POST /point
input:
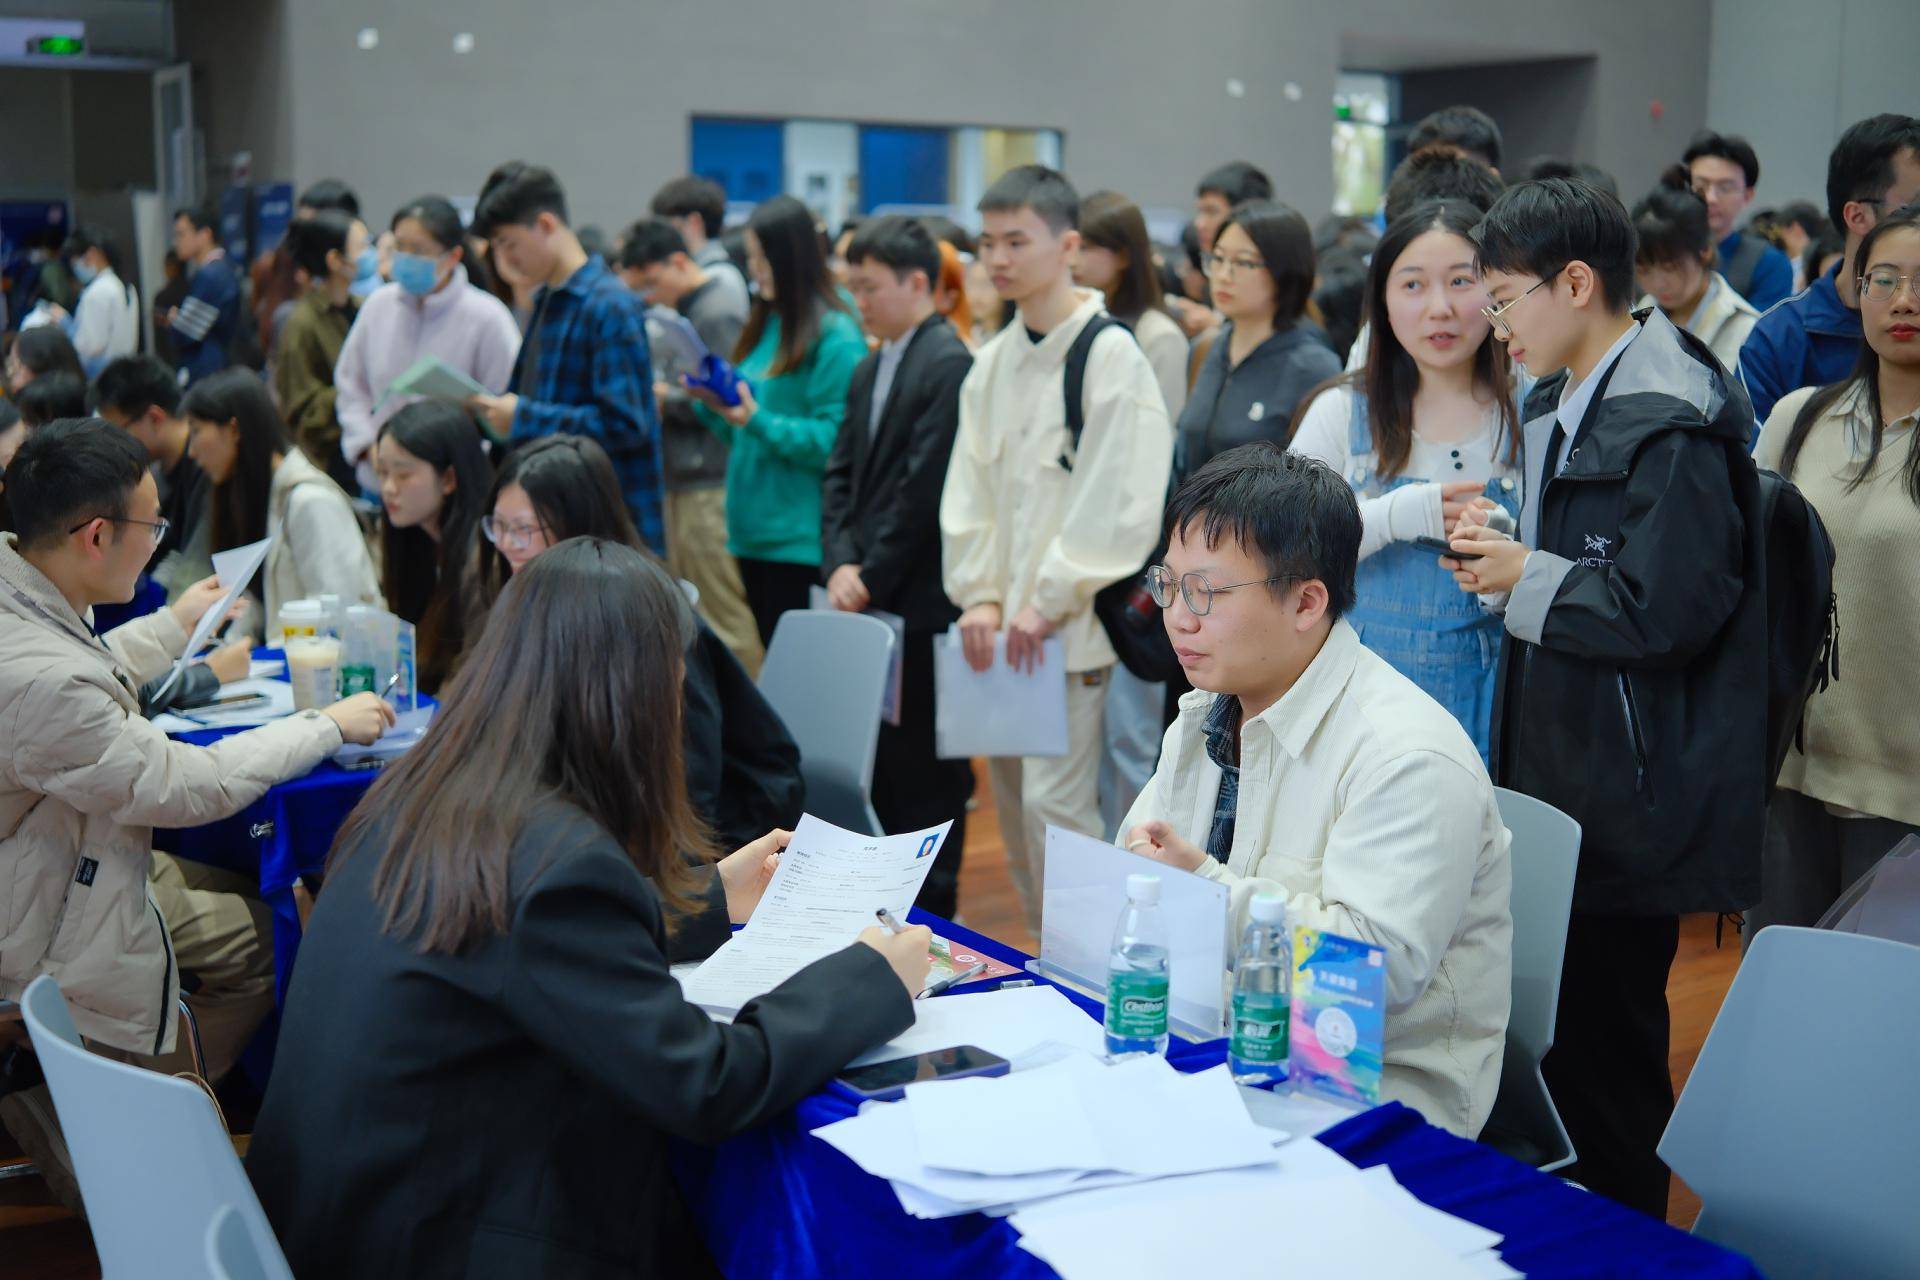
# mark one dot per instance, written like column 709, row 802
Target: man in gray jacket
column 85, row 778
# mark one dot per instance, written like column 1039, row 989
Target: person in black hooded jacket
column 1631, row 695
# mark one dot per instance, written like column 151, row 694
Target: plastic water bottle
column 1137, row 974
column 1262, row 984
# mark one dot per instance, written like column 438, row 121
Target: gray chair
column 1545, row 854
column 153, row 1159
column 826, row 675
column 1797, row 1127
column 231, row 1251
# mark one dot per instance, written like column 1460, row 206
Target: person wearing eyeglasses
column 85, row 778
column 1303, row 764
column 1634, row 665
column 1264, row 360
column 1846, row 792
column 1723, row 171
column 264, row 486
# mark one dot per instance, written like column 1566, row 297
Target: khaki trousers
column 697, row 551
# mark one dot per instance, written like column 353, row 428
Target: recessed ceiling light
column 368, row 38
column 463, row 42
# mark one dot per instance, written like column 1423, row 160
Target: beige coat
column 1016, row 527
column 84, row 779
column 320, row 550
column 1722, row 320
column 1365, row 805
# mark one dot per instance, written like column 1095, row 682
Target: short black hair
column 690, row 196
column 44, row 349
column 1861, row 166
column 518, row 198
column 1670, row 224
column 68, row 471
column 1284, row 242
column 1549, row 166
column 310, row 239
column 330, row 193
column 1468, row 128
column 1298, row 513
column 900, row 243
column 1238, row 181
column 1804, row 214
column 204, row 216
column 84, row 237
column 437, row 217
column 1034, row 186
column 134, row 384
column 1440, row 172
column 1724, row 146
column 941, row 227
column 648, row 241
column 1537, row 228
column 52, row 396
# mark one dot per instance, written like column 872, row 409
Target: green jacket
column 303, row 375
column 779, row 459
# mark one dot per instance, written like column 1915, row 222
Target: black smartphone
column 1440, row 548
column 888, row 1080
column 236, row 701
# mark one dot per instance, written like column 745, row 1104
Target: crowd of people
column 1465, row 494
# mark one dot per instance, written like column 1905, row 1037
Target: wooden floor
column 42, row 1241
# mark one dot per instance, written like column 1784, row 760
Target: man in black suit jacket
column 880, row 518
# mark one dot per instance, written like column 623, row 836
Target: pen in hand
column 886, row 918
column 392, row 680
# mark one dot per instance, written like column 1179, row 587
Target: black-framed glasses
column 1496, row 316
column 1196, row 590
column 159, row 526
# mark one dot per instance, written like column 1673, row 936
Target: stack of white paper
column 1009, row 1023
column 828, row 886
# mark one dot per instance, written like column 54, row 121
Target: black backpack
column 1125, row 608
column 1803, row 618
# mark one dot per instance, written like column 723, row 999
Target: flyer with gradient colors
column 1339, row 1022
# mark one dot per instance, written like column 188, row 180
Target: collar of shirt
column 1295, row 718
column 1052, row 349
column 580, row 281
column 1707, row 299
column 1575, row 399
column 1821, row 310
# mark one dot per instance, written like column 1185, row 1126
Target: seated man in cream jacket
column 1303, row 764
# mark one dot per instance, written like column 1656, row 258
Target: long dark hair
column 1390, row 377
column 45, row 349
column 1865, row 377
column 1285, row 244
column 1110, row 221
column 571, row 483
column 239, row 503
column 527, row 721
column 803, row 290
column 425, row 581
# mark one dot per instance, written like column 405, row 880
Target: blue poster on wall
column 746, row 157
column 901, row 164
column 272, row 212
column 234, row 224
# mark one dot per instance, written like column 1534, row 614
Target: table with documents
column 1268, row 1190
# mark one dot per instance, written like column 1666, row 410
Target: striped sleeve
column 195, row 319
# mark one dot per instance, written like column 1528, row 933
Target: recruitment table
column 780, row 1204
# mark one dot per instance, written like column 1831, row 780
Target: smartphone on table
column 886, row 1081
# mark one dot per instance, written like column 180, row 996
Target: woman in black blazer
column 483, row 1052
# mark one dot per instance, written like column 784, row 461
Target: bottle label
column 1137, row 1005
column 355, row 680
column 1260, row 1029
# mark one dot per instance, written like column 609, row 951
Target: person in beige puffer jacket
column 84, row 778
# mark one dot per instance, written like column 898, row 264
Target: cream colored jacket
column 84, row 779
column 1722, row 320
column 320, row 550
column 1017, row 526
column 1365, row 804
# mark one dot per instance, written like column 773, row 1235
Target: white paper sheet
column 999, row 711
column 1009, row 1023
column 407, row 729
column 826, row 889
column 235, row 569
column 433, row 377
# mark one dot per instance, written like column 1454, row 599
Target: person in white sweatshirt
column 1033, row 523
column 1304, row 765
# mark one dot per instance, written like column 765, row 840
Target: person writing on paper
column 1303, row 764
column 497, row 924
column 743, row 768
column 431, row 308
column 264, row 487
column 85, row 778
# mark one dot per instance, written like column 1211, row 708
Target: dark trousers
column 773, row 587
column 912, row 788
column 1607, row 1069
column 1811, row 856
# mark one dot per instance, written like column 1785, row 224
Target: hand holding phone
column 1441, row 547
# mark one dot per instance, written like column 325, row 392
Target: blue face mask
column 366, row 272
column 416, row 273
column 83, row 271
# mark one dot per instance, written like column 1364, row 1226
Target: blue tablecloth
column 779, row 1202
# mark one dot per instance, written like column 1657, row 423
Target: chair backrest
column 826, row 675
column 152, row 1158
column 1545, row 853
column 1797, row 1126
column 231, row 1254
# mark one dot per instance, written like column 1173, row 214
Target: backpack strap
column 1076, row 380
column 1739, row 268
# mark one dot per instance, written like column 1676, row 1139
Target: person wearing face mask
column 330, row 248
column 430, row 308
column 1425, row 428
column 106, row 319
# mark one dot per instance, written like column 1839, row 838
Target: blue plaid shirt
column 1222, row 729
column 592, row 375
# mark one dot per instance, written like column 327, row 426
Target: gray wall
column 1793, row 77
column 1137, row 86
column 36, row 151
column 1544, row 108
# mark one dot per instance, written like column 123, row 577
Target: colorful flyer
column 1339, row 1016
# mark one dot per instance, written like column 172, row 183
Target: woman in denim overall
column 1408, row 609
